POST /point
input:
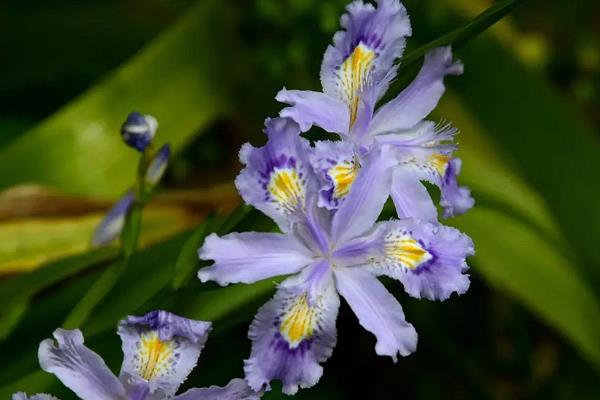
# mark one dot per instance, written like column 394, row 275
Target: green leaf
column 466, row 32
column 544, row 139
column 16, row 292
column 187, row 260
column 179, row 78
column 514, row 258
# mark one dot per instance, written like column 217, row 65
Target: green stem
column 129, row 243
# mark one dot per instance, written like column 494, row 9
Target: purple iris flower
column 356, row 72
column 328, row 252
column 160, row 350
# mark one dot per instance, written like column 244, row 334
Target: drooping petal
column 415, row 102
column 362, row 54
column 110, row 227
column 368, row 194
column 377, row 311
column 236, row 389
column 79, row 368
column 158, row 165
column 39, row 396
column 292, row 335
column 277, row 179
column 310, row 108
column 429, row 259
column 425, row 153
column 411, row 197
column 251, row 256
column 455, row 199
column 336, row 165
column 160, row 350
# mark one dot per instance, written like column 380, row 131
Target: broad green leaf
column 526, row 252
column 180, row 78
column 544, row 139
column 513, row 257
column 25, row 244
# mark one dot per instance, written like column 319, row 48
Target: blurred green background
column 527, row 107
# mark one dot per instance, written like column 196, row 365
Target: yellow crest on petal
column 286, row 189
column 353, row 75
column 406, row 251
column 298, row 322
column 154, row 355
column 439, row 162
column 343, row 176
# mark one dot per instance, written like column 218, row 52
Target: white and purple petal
column 419, row 98
column 429, row 259
column 277, row 178
column 336, row 165
column 292, row 335
column 251, row 256
column 160, row 350
column 78, row 367
column 310, row 108
column 377, row 311
column 363, row 53
column 236, row 389
column 411, row 198
column 362, row 206
column 455, row 199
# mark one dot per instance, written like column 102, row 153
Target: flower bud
column 138, row 130
column 112, row 224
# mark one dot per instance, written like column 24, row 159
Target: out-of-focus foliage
column 524, row 105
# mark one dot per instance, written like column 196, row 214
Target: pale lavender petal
column 455, row 199
column 410, row 196
column 236, row 389
column 111, row 225
column 39, row 396
column 310, row 108
column 158, row 165
column 251, row 256
column 421, row 141
column 277, row 179
column 429, row 259
column 415, row 102
column 291, row 336
column 377, row 311
column 372, row 39
column 160, row 350
column 336, row 165
column 364, row 203
column 79, row 368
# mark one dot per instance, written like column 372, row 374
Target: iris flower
column 329, row 252
column 355, row 74
column 160, row 350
